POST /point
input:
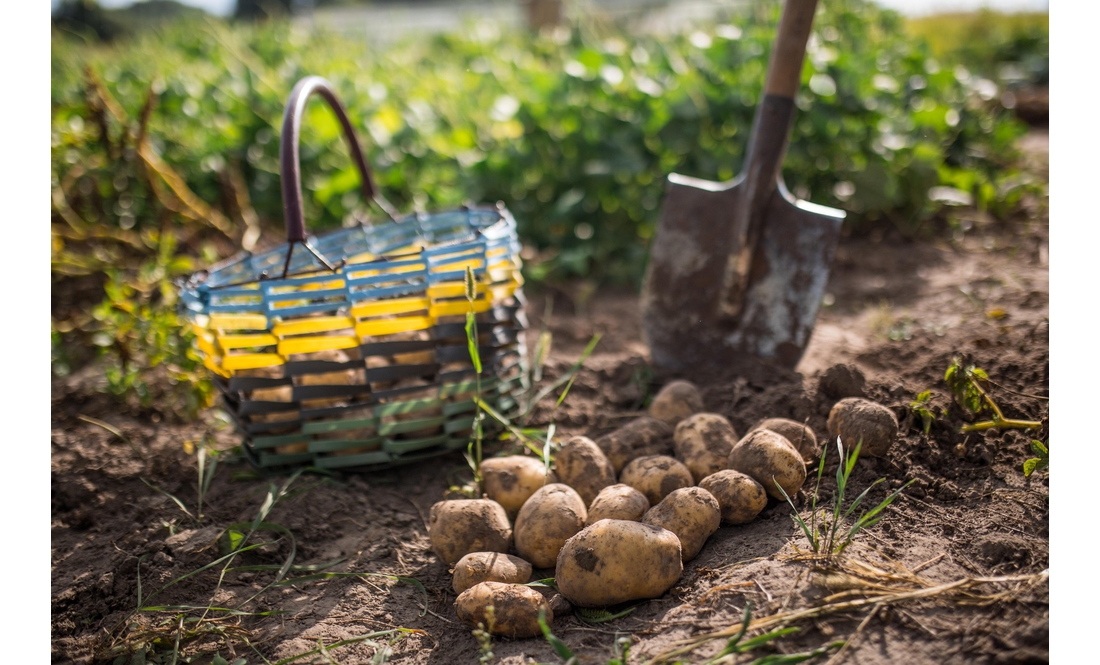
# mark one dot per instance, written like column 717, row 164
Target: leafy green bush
column 1012, row 48
column 574, row 130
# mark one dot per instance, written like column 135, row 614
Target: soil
column 899, row 311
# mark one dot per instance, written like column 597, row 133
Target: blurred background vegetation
column 165, row 142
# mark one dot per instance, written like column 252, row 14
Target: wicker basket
column 349, row 350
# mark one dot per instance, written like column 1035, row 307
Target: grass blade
column 798, row 518
column 788, row 658
column 567, row 377
column 761, row 640
column 594, row 616
column 559, row 647
column 170, row 496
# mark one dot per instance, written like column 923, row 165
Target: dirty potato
column 550, row 517
column 799, row 435
column 613, row 561
column 461, row 526
column 855, row 419
column 656, row 476
column 691, row 513
column 643, row 436
column 478, row 567
column 765, row 455
column 676, row 401
column 511, row 480
column 582, row 465
column 617, row 502
column 739, row 496
column 703, row 443
column 515, row 609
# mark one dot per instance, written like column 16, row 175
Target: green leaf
column 1038, row 447
column 471, row 341
column 559, row 647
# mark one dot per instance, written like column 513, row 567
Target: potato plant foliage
column 174, row 133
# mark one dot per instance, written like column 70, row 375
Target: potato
column 582, row 465
column 691, row 513
column 676, row 401
column 643, row 436
column 550, row 517
column 765, row 455
column 613, row 561
column 617, row 502
column 515, row 609
column 739, row 496
column 510, row 481
column 656, row 476
column 855, row 419
column 842, row 380
column 478, row 567
column 800, row 436
column 703, row 443
column 461, row 526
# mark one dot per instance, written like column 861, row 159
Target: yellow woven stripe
column 504, row 291
column 237, row 322
column 361, row 258
column 314, row 344
column 312, row 325
column 230, row 342
column 391, row 326
column 251, row 361
column 474, row 264
column 502, row 265
column 387, row 307
column 206, row 345
column 389, row 270
column 451, row 289
column 212, row 365
column 454, row 307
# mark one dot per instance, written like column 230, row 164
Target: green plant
column 206, row 469
column 735, row 645
column 163, row 633
column 831, row 536
column 619, row 655
column 969, row 386
column 1040, row 463
column 484, row 636
column 919, row 408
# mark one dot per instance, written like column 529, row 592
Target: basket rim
column 198, row 281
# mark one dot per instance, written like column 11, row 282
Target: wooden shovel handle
column 785, row 68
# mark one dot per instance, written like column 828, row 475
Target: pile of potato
column 618, row 516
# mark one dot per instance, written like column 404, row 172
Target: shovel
column 738, row 269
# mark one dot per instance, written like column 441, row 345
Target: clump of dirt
column 901, row 313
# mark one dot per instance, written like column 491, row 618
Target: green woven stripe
column 416, row 444
column 339, row 425
column 261, row 442
column 410, row 425
column 336, row 445
column 362, row 459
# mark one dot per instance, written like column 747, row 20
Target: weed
column 162, row 633
column 1040, row 463
column 966, row 384
column 735, row 645
column 473, row 449
column 829, row 538
column 484, row 636
column 919, row 408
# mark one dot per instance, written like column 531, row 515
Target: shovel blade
column 682, row 296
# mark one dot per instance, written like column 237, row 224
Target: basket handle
column 289, row 162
